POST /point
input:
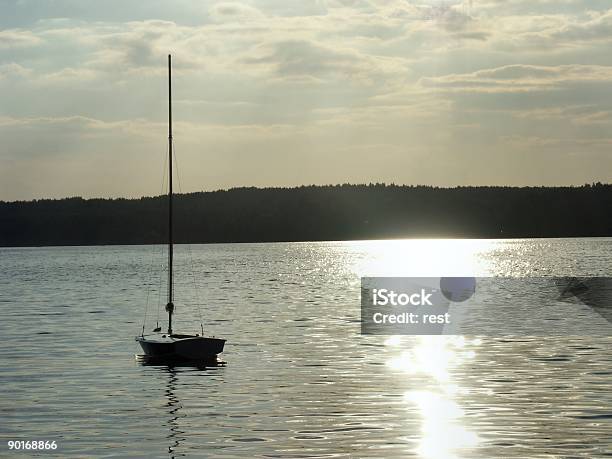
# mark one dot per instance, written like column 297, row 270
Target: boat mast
column 170, row 305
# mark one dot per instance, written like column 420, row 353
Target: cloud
column 18, row 38
column 234, row 12
column 520, row 78
column 598, row 28
column 555, row 32
column 552, row 143
column 42, row 128
column 306, row 60
column 590, row 114
column 14, row 70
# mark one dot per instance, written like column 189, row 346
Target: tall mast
column 170, row 305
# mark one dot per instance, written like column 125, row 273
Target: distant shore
column 314, row 213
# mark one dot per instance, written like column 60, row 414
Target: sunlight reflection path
column 429, row 365
column 442, row 433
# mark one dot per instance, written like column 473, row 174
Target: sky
column 298, row 92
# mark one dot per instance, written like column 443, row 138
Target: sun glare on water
column 442, row 433
column 427, row 365
column 421, row 257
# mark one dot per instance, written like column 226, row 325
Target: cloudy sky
column 290, row 92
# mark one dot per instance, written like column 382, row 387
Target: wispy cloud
column 519, row 78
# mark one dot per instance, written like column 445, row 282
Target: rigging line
column 151, row 263
column 159, row 290
column 164, row 189
column 149, row 285
column 195, row 286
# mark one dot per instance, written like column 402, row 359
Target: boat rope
column 197, row 291
column 164, row 191
column 159, row 290
column 193, row 277
column 153, row 256
column 149, row 286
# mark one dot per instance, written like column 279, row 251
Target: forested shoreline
column 313, row 213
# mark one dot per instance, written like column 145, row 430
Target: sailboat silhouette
column 171, row 345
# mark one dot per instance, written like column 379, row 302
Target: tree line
column 313, row 213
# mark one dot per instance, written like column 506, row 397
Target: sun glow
column 421, row 257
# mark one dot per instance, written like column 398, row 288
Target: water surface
column 300, row 381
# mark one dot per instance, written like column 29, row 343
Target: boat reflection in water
column 173, row 404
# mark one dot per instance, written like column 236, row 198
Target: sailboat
column 170, row 345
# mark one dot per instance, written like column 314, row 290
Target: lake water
column 300, row 380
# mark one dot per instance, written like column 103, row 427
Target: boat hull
column 181, row 347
